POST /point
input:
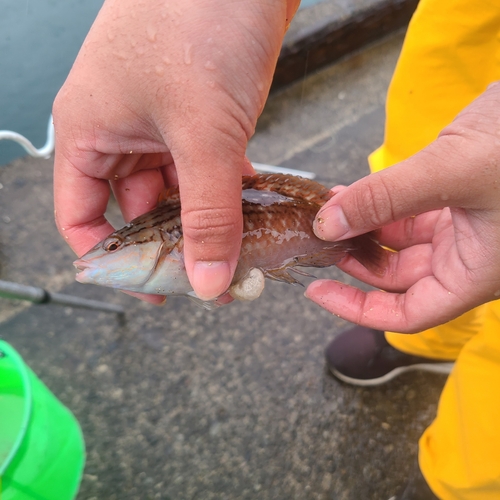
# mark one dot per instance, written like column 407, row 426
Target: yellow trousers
column 450, row 55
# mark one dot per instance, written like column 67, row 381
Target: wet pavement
column 179, row 403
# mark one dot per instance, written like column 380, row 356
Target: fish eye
column 112, row 246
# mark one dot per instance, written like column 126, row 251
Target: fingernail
column 330, row 223
column 211, row 279
column 316, row 288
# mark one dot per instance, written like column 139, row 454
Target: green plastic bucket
column 42, row 451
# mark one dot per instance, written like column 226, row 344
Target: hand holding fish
column 164, row 92
column 440, row 210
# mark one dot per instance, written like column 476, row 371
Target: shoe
column 362, row 356
column 416, row 488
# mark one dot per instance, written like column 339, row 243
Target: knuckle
column 374, row 204
column 215, row 226
column 59, row 105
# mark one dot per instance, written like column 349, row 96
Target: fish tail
column 368, row 252
column 364, row 248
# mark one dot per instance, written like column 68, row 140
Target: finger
column 138, row 193
column 437, row 177
column 209, row 164
column 247, row 167
column 212, row 227
column 375, row 201
column 410, row 231
column 80, row 203
column 336, row 189
column 424, row 305
column 291, row 8
column 120, row 166
column 404, row 269
column 169, row 173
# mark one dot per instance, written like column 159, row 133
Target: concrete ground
column 179, row 403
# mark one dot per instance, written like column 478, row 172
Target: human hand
column 160, row 92
column 448, row 259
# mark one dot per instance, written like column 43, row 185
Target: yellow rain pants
column 450, row 55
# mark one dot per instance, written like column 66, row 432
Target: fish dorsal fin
column 169, row 196
column 287, row 185
column 290, row 186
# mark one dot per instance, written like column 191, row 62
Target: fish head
column 113, row 263
column 147, row 265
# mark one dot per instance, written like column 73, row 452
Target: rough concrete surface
column 179, row 403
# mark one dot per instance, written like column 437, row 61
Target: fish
column 146, row 255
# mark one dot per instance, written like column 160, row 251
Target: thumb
column 377, row 200
column 459, row 169
column 448, row 173
column 209, row 173
column 212, row 231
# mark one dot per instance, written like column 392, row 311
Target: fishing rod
column 10, row 290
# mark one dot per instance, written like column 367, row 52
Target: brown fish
column 278, row 212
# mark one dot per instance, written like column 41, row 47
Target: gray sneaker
column 362, row 356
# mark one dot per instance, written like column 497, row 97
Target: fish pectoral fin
column 281, row 274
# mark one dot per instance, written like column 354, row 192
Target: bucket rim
column 18, row 361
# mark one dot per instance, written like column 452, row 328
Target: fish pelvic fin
column 281, row 274
column 301, row 272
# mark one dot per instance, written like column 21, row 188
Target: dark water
column 39, row 40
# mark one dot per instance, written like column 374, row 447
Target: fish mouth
column 81, row 264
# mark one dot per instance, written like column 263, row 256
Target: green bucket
column 42, row 451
